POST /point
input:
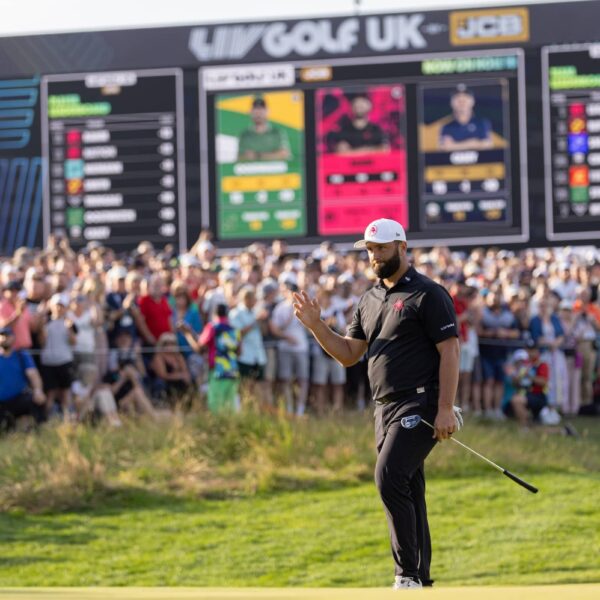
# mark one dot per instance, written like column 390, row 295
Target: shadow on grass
column 18, row 525
column 26, row 561
column 114, row 500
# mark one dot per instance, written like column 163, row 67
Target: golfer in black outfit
column 407, row 325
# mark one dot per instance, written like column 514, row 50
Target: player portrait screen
column 465, row 152
column 361, row 156
column 259, row 149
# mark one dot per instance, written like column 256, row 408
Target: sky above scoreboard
column 41, row 16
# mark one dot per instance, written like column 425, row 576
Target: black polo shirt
column 370, row 135
column 402, row 325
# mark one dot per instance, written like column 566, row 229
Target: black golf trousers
column 402, row 447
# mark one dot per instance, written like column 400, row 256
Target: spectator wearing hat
column 120, row 305
column 206, row 252
column 190, row 273
column 252, row 357
column 292, row 346
column 21, row 389
column 268, row 293
column 59, row 336
column 219, row 294
column 221, row 341
column 343, row 296
column 14, row 313
column 527, row 385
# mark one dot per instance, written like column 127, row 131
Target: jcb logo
column 489, row 26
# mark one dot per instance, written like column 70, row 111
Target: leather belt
column 397, row 396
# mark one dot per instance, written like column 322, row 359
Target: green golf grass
column 126, row 530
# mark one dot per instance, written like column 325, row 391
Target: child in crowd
column 222, row 343
column 91, row 397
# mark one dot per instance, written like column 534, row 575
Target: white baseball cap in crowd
column 382, row 231
column 521, row 355
column 188, row 260
column 58, row 298
column 288, row 278
column 566, row 305
column 117, row 272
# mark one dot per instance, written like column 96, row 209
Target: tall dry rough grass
column 65, row 466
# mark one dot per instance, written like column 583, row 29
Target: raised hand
column 306, row 310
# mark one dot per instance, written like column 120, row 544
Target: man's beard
column 387, row 268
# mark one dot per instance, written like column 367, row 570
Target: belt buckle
column 420, row 390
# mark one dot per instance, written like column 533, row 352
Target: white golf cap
column 382, row 231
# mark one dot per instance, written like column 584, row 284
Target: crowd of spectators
column 93, row 335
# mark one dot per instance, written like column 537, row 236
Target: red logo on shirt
column 398, row 305
column 373, row 229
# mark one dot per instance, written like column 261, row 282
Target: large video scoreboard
column 470, row 127
column 318, row 150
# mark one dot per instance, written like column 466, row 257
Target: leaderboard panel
column 114, row 146
column 306, row 151
column 571, row 76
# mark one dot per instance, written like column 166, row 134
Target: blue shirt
column 193, row 319
column 13, row 380
column 114, row 301
column 494, row 348
column 253, row 350
column 476, row 128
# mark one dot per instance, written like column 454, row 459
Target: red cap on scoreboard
column 382, row 231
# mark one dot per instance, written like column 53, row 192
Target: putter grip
column 518, row 480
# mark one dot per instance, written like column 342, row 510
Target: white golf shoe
column 406, row 583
